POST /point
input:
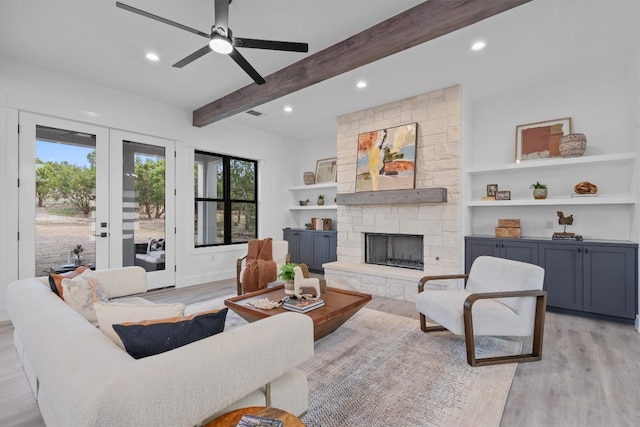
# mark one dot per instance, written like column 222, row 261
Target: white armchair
column 501, row 298
column 300, row 282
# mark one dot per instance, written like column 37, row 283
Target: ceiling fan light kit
column 221, row 41
column 221, row 44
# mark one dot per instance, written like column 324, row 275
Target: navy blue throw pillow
column 149, row 337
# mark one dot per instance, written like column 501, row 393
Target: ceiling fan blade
column 221, row 13
column 160, row 19
column 235, row 55
column 271, row 45
column 195, row 55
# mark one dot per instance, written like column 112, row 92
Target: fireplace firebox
column 394, row 250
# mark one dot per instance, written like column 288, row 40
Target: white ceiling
column 545, row 40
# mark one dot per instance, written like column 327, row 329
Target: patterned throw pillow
column 82, row 292
column 149, row 337
column 55, row 280
column 110, row 313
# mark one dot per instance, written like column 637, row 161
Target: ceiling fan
column 221, row 39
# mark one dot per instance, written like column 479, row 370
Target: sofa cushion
column 149, row 337
column 55, row 279
column 82, row 292
column 110, row 313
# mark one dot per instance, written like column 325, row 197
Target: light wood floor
column 589, row 374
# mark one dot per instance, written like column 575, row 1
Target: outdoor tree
column 77, row 186
column 46, row 181
column 150, row 182
column 61, row 180
column 242, row 175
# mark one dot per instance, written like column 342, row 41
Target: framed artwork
column 326, row 170
column 503, row 195
column 387, row 159
column 492, row 189
column 541, row 140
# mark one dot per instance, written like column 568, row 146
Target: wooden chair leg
column 425, row 328
column 536, row 351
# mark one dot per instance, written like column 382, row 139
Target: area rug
column 380, row 369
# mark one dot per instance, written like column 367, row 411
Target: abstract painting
column 387, row 159
column 541, row 140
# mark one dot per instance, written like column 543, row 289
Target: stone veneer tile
column 437, row 159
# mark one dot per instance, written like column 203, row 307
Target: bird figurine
column 564, row 220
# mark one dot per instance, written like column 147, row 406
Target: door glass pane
column 143, row 206
column 65, row 199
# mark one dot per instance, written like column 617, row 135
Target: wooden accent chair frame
column 498, row 300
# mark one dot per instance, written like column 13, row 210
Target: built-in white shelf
column 555, row 162
column 616, row 200
column 313, row 208
column 314, row 186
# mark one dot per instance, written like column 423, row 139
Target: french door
column 143, row 200
column 78, row 198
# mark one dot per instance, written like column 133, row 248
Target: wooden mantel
column 421, row 23
column 393, row 197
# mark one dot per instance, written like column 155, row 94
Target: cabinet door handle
column 586, row 251
column 579, row 250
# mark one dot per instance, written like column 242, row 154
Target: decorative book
column 302, row 306
column 256, row 421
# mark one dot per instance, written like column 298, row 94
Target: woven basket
column 573, row 145
column 309, row 178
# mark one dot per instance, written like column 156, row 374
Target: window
column 226, row 204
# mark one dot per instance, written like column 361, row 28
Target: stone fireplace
column 436, row 221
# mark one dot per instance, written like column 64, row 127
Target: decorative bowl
column 573, row 145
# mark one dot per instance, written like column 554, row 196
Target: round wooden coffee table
column 230, row 419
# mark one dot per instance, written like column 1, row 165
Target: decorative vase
column 289, row 288
column 540, row 193
column 320, row 202
column 573, row 145
column 78, row 261
column 309, row 178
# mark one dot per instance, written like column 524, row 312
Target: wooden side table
column 231, row 419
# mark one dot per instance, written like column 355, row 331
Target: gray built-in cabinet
column 312, row 247
column 597, row 278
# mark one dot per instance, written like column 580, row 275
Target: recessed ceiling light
column 152, row 57
column 361, row 84
column 288, row 109
column 478, row 46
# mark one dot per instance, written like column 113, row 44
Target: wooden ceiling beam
column 424, row 22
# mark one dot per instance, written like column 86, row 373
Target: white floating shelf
column 617, row 200
column 313, row 208
column 314, row 186
column 555, row 162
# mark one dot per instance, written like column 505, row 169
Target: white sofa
column 81, row 378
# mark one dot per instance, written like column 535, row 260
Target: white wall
column 601, row 106
column 307, row 153
column 23, row 87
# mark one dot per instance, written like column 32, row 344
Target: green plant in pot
column 287, row 275
column 539, row 190
column 321, row 200
column 77, row 251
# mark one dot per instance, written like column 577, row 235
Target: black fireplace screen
column 394, row 250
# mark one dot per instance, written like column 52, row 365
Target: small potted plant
column 539, row 190
column 287, row 275
column 321, row 200
column 77, row 251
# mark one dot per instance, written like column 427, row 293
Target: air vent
column 255, row 113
